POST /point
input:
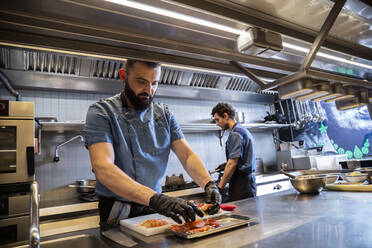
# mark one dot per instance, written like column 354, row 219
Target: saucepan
column 84, row 186
column 308, row 184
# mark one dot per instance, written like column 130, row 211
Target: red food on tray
column 196, row 226
column 227, row 207
column 154, row 223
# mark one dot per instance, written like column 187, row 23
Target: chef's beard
column 226, row 127
column 136, row 100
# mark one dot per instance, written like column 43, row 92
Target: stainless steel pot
column 84, row 186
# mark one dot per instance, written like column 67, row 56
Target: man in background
column 241, row 162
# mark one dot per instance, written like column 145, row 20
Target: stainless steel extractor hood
column 32, row 69
column 110, row 31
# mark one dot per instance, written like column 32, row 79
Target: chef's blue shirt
column 240, row 145
column 141, row 139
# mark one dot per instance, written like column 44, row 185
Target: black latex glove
column 175, row 207
column 213, row 197
column 221, row 167
column 222, row 191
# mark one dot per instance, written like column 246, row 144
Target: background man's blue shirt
column 141, row 140
column 240, row 145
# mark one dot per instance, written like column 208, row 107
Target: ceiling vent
column 170, row 76
column 204, row 80
column 241, row 84
column 4, row 57
column 106, row 68
column 51, row 62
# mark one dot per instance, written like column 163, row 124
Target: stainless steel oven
column 16, row 142
column 14, row 217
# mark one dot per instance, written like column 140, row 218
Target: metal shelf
column 77, row 126
column 186, row 127
column 197, row 127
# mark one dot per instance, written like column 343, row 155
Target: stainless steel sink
column 81, row 241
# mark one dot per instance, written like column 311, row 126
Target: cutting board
column 134, row 223
column 349, row 187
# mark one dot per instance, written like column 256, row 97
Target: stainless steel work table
column 287, row 219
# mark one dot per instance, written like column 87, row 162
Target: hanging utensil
column 295, row 123
column 287, row 174
column 308, row 111
column 321, row 112
column 316, row 112
column 280, row 116
column 302, row 122
column 313, row 112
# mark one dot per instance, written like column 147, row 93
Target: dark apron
column 241, row 184
column 111, row 211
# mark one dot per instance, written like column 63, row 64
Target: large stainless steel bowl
column 309, row 184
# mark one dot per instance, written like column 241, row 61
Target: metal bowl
column 354, row 179
column 86, row 186
column 331, row 178
column 309, row 184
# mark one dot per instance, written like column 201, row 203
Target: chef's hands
column 174, row 207
column 223, row 191
column 213, row 197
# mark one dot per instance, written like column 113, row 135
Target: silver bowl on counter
column 354, row 178
column 307, row 184
column 84, row 186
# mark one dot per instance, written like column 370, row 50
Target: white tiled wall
column 74, row 161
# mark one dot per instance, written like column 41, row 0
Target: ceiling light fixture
column 325, row 55
column 190, row 68
column 319, row 90
column 349, row 93
column 360, row 100
column 178, row 16
column 54, row 50
column 336, row 90
column 294, row 89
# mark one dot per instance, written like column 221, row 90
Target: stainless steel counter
column 287, row 219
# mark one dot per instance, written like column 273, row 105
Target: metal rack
column 78, row 126
column 186, row 127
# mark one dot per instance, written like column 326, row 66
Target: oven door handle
column 30, row 152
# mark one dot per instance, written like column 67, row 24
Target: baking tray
column 227, row 222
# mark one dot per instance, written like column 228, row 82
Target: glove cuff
column 209, row 184
column 154, row 200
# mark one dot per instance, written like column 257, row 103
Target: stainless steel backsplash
column 74, row 161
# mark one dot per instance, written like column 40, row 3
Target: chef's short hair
column 130, row 62
column 222, row 108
